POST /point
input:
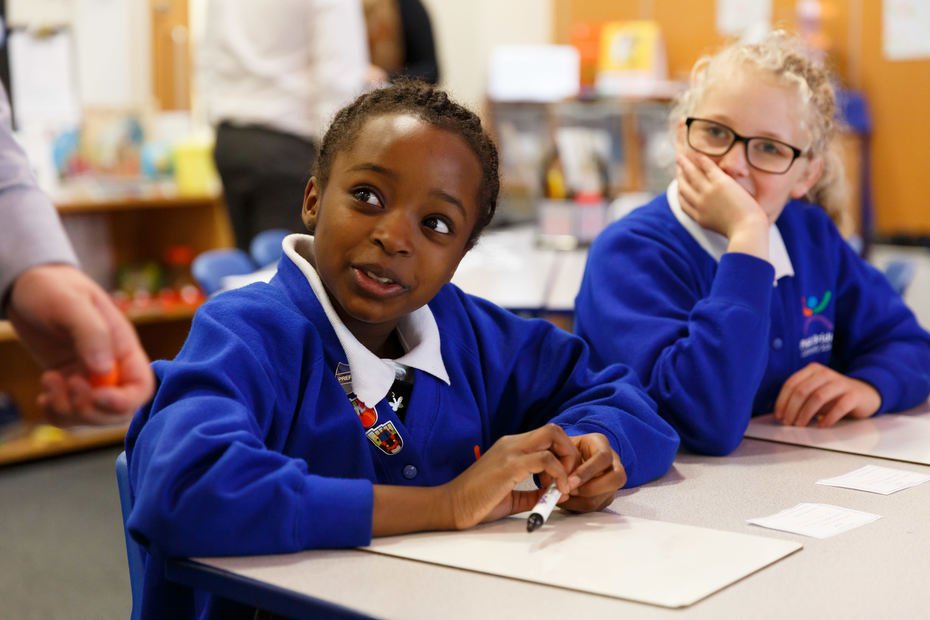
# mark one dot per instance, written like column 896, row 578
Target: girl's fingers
column 840, row 408
column 606, row 480
column 788, row 388
column 819, row 401
column 553, row 439
column 706, row 165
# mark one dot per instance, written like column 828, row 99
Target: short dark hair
column 430, row 105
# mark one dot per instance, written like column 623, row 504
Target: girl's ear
column 311, row 206
column 812, row 174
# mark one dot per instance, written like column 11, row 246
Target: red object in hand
column 107, row 379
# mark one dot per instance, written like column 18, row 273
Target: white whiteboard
column 603, row 553
column 895, row 436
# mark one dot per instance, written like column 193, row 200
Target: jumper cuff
column 884, row 382
column 337, row 513
column 745, row 280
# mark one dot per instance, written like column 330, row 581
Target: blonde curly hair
column 784, row 57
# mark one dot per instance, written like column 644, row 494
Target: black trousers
column 264, row 173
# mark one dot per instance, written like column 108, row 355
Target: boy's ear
column 812, row 174
column 311, row 204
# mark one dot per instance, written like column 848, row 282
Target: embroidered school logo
column 386, row 438
column 821, row 340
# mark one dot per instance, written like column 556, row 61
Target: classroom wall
column 466, row 32
column 111, row 46
column 898, row 92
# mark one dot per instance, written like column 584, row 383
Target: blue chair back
column 210, row 267
column 900, row 272
column 266, row 246
column 133, row 551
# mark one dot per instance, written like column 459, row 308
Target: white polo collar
column 716, row 244
column 372, row 376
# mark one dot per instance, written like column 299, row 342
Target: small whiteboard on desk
column 896, row 436
column 603, row 553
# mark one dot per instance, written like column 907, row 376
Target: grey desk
column 879, row 570
column 508, row 268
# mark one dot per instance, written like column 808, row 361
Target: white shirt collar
column 716, row 244
column 372, row 376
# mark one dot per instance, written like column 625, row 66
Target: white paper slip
column 816, row 520
column 875, row 479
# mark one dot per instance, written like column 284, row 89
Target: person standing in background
column 272, row 74
column 95, row 369
column 400, row 41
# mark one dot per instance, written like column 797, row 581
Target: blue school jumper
column 714, row 343
column 251, row 445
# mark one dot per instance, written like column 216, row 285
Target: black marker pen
column 543, row 508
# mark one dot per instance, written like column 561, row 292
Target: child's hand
column 599, row 475
column 715, row 200
column 485, row 491
column 821, row 392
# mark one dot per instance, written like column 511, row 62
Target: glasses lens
column 709, row 138
column 769, row 155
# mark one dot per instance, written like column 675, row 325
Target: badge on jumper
column 386, row 438
column 344, row 376
column 366, row 415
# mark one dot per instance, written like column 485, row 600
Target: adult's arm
column 31, row 233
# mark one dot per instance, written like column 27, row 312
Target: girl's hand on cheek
column 713, row 199
column 485, row 491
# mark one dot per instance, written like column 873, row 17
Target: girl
column 353, row 395
column 733, row 294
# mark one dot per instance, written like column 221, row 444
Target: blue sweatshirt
column 251, row 445
column 714, row 342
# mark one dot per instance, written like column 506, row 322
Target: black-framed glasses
column 716, row 139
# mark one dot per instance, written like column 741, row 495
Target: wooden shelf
column 180, row 312
column 130, row 202
column 26, row 442
column 136, row 223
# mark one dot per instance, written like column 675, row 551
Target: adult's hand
column 76, row 333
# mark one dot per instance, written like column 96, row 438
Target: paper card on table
column 875, row 479
column 816, row 520
column 603, row 553
column 897, row 436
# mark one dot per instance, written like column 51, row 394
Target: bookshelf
column 132, row 224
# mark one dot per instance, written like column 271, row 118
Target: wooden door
column 171, row 54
